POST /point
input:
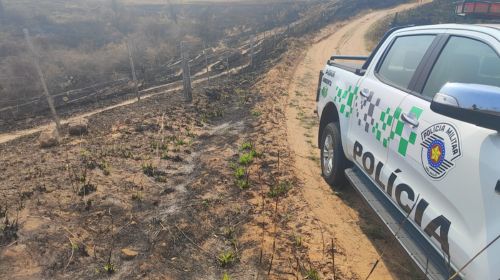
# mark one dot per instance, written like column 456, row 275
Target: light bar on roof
column 478, row 8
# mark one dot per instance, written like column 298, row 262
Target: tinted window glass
column 464, row 60
column 403, row 58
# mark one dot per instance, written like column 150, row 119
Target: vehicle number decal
column 330, row 73
column 327, row 81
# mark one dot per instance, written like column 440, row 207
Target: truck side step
column 427, row 258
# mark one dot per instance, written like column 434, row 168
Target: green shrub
column 240, row 172
column 312, row 274
column 226, row 258
column 246, row 158
column 246, row 146
column 243, row 184
column 279, row 190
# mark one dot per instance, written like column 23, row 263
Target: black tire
column 335, row 175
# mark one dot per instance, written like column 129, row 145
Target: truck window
column 464, row 60
column 403, row 58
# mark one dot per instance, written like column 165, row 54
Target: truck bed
column 356, row 68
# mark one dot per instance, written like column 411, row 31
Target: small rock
column 48, row 138
column 78, row 127
column 128, row 254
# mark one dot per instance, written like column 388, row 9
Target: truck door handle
column 410, row 120
column 365, row 93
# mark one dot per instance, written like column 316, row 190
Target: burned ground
column 195, row 190
column 143, row 178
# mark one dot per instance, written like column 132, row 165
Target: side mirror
column 471, row 103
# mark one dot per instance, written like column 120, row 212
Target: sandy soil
column 341, row 214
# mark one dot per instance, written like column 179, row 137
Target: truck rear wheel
column 333, row 160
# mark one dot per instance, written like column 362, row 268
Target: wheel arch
column 328, row 115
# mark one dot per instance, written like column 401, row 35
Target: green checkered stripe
column 344, row 98
column 398, row 131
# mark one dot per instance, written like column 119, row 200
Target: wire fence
column 204, row 64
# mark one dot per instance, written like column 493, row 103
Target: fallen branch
column 7, row 246
column 72, row 252
column 192, row 242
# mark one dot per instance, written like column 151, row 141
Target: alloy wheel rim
column 328, row 155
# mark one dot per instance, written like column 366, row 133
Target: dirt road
column 343, row 215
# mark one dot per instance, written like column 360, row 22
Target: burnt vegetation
column 84, row 44
column 159, row 188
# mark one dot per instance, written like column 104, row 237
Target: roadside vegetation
column 435, row 12
column 350, row 8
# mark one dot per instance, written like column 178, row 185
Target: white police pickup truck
column 415, row 128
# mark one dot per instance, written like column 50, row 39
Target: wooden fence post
column 252, row 42
column 36, row 61
column 186, row 75
column 206, row 63
column 227, row 67
column 132, row 68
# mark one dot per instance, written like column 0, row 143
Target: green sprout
column 240, row 172
column 246, row 158
column 109, row 268
column 226, row 258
